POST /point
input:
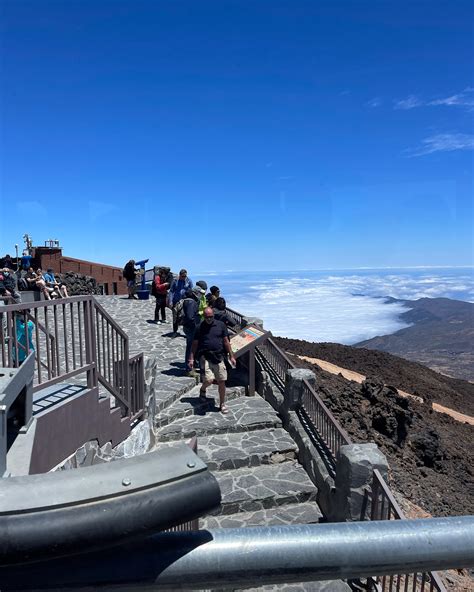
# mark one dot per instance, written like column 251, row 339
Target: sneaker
column 192, row 374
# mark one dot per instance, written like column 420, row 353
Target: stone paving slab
column 135, row 318
column 263, row 487
column 245, row 414
column 190, row 404
column 248, row 449
column 305, row 513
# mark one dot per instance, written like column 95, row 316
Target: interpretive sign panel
column 250, row 336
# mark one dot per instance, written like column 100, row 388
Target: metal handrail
column 236, row 558
column 76, row 336
column 384, row 506
column 317, row 415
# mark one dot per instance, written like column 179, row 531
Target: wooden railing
column 73, row 338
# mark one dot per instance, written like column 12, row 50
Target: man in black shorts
column 211, row 343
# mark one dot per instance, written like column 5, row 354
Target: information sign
column 246, row 337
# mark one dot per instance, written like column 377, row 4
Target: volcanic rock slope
column 430, row 454
column 441, row 336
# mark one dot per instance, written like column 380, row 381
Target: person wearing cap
column 177, row 292
column 211, row 297
column 8, row 289
column 211, row 343
column 191, row 321
column 129, row 274
column 202, row 302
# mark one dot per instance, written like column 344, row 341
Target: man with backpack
column 210, row 345
column 177, row 292
column 129, row 274
column 188, row 316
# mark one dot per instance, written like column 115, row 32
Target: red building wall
column 107, row 275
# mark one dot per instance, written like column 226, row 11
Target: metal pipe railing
column 241, row 557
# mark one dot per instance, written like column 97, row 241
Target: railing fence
column 73, row 338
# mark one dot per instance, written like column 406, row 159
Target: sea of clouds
column 339, row 306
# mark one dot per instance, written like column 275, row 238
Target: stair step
column 245, row 414
column 305, row 513
column 53, row 395
column 246, row 449
column 168, row 391
column 263, row 487
column 189, row 404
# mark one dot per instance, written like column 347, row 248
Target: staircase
column 254, row 461
column 252, row 457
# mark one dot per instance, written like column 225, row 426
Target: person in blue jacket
column 177, row 292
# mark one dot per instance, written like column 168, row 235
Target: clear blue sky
column 240, row 135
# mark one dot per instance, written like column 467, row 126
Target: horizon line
column 365, row 268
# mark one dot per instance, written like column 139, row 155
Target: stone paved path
column 252, row 457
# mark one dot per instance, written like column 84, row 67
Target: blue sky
column 240, row 135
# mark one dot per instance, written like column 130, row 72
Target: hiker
column 7, row 263
column 191, row 321
column 202, row 302
column 211, row 343
column 54, row 286
column 159, row 289
column 8, row 290
column 212, row 295
column 221, row 314
column 129, row 274
column 177, row 292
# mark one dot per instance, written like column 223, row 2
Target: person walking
column 159, row 290
column 210, row 344
column 177, row 292
column 129, row 274
column 191, row 321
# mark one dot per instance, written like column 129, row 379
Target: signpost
column 245, row 341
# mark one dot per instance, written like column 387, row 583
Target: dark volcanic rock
column 430, row 454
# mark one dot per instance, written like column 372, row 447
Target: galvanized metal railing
column 384, row 506
column 192, row 525
column 73, row 338
column 317, row 418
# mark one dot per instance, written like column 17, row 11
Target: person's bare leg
column 64, row 293
column 204, row 386
column 221, row 389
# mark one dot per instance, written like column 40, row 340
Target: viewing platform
column 108, row 383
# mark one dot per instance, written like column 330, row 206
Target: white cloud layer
column 462, row 99
column 443, row 143
column 344, row 308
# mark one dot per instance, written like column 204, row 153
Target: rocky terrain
column 441, row 336
column 430, row 454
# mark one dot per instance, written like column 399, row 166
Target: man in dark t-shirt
column 211, row 343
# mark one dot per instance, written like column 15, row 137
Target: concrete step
column 264, row 487
column 246, row 449
column 304, row 513
column 190, row 404
column 245, row 414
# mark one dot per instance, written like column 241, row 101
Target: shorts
column 130, row 283
column 210, row 371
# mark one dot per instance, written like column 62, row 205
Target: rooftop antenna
column 28, row 243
